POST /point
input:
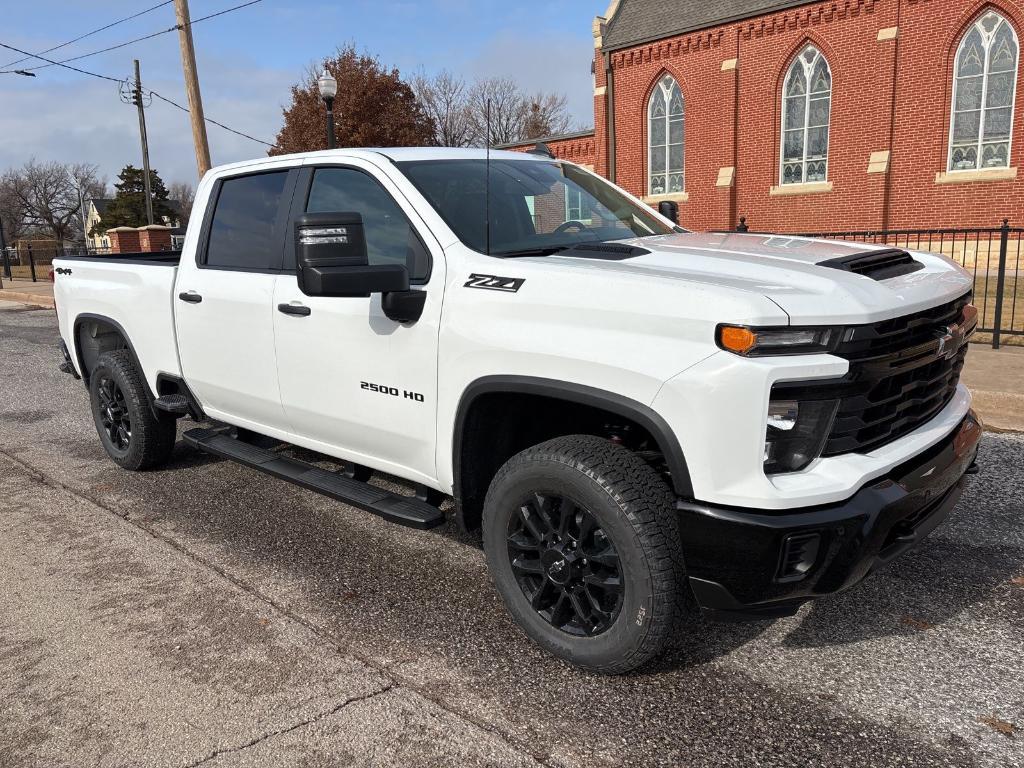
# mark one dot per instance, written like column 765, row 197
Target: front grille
column 899, row 378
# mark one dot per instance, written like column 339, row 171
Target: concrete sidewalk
column 39, row 294
column 995, row 377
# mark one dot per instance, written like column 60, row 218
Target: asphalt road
column 206, row 613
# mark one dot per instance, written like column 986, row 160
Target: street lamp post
column 328, row 89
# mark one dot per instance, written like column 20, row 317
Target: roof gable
column 641, row 21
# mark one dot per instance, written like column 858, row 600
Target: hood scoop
column 606, row 251
column 878, row 265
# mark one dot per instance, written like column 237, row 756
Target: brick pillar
column 154, row 238
column 123, row 240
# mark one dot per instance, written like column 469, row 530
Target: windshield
column 535, row 207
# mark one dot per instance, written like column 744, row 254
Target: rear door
column 354, row 383
column 224, row 301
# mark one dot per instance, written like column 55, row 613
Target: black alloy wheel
column 113, row 414
column 565, row 564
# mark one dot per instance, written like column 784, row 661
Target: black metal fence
column 991, row 254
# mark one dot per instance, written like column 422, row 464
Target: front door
column 223, row 303
column 354, row 383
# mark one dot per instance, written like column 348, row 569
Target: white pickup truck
column 643, row 421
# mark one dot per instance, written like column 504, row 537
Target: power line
column 175, row 28
column 57, row 63
column 214, row 122
column 93, row 32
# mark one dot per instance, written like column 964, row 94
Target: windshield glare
column 534, row 206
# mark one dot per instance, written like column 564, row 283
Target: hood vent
column 606, row 251
column 878, row 265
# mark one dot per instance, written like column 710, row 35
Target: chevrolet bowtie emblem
column 951, row 338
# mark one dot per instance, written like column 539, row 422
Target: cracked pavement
column 204, row 614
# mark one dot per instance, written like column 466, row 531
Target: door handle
column 190, row 296
column 294, row 309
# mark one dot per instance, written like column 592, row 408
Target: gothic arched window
column 806, row 106
column 984, row 82
column 666, row 116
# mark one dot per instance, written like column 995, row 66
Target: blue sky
column 248, row 59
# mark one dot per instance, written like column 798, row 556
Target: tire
column 131, row 435
column 553, row 487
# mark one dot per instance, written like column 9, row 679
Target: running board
column 404, row 510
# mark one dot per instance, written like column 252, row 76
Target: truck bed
column 130, row 291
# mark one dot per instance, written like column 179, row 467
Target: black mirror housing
column 670, row 210
column 330, row 251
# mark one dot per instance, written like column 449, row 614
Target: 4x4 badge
column 495, row 283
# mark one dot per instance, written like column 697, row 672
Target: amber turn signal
column 735, row 339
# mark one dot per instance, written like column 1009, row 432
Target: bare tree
column 508, row 109
column 183, row 192
column 515, row 116
column 11, row 211
column 546, row 115
column 445, row 98
column 49, row 195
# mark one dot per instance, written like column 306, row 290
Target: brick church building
column 811, row 116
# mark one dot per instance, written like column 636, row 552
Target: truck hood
column 789, row 271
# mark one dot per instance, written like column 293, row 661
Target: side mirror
column 330, row 251
column 670, row 210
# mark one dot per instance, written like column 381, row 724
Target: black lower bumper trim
column 737, row 559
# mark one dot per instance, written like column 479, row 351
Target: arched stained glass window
column 806, row 106
column 666, row 117
column 984, row 83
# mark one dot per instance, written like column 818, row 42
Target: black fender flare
column 623, row 406
column 76, row 338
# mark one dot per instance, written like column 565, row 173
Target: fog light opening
column 798, row 556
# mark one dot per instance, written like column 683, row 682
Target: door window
column 390, row 238
column 242, row 231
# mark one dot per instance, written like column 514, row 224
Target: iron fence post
column 31, row 262
column 1004, row 237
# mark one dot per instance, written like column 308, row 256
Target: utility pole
column 195, row 99
column 3, row 251
column 137, row 98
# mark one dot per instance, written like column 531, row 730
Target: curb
column 46, row 302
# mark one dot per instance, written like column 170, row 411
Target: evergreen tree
column 129, row 206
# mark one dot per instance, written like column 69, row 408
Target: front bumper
column 747, row 564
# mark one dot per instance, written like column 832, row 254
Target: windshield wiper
column 532, row 252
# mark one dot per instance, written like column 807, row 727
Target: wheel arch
column 86, row 353
column 467, row 489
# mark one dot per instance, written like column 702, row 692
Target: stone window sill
column 985, row 174
column 678, row 197
column 810, row 188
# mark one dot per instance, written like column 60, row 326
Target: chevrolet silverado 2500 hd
column 643, row 421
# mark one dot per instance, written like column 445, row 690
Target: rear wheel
column 130, row 433
column 583, row 545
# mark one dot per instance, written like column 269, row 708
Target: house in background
column 96, row 207
column 806, row 116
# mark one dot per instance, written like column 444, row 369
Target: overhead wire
column 90, row 34
column 151, row 35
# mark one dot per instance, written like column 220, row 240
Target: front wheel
column 583, row 545
column 130, row 433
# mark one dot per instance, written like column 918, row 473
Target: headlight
column 795, row 433
column 756, row 342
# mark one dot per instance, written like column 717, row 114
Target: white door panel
column 226, row 344
column 358, row 382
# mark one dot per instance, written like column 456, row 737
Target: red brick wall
column 732, row 117
column 579, row 150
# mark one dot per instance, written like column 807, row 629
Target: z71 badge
column 495, row 283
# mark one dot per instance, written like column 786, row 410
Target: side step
column 176, row 404
column 404, row 510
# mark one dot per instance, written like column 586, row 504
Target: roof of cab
column 396, row 154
